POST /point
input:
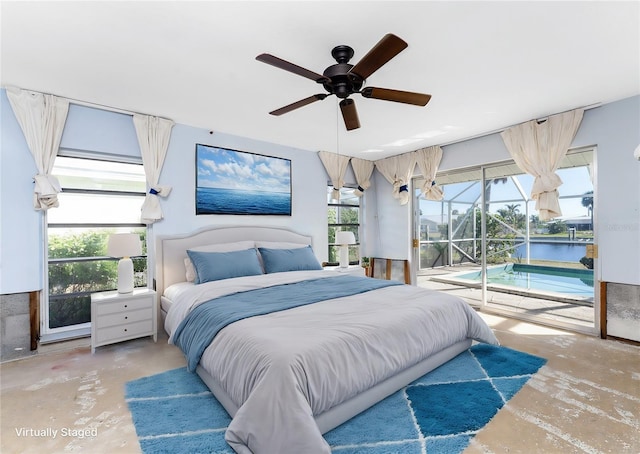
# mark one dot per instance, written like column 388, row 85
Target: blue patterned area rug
column 174, row 412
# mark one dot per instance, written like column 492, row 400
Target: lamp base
column 125, row 275
column 344, row 256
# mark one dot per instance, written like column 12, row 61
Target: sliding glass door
column 486, row 241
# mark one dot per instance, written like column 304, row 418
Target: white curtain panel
column 42, row 118
column 153, row 136
column 362, row 169
column 538, row 149
column 336, row 167
column 398, row 171
column 428, row 160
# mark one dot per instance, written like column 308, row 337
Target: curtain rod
column 86, row 103
column 496, row 131
column 100, row 106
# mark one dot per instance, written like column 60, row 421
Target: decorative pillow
column 298, row 259
column 276, row 245
column 213, row 266
column 218, row 247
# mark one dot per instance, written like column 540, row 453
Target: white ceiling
column 488, row 65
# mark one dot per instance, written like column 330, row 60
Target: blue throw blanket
column 197, row 330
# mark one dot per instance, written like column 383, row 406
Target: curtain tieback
column 432, row 191
column 46, row 185
column 151, row 211
column 361, row 188
column 162, row 191
column 401, row 191
column 398, row 187
column 45, row 192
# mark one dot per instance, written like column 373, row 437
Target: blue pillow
column 299, row 259
column 213, row 266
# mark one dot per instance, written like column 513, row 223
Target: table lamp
column 124, row 245
column 344, row 239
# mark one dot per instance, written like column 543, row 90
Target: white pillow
column 218, row 247
column 191, row 270
column 225, row 247
column 279, row 245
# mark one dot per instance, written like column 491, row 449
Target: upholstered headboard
column 171, row 250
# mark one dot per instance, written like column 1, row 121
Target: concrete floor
column 586, row 399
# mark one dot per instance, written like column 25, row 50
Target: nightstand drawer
column 122, row 332
column 121, row 318
column 130, row 304
column 117, row 317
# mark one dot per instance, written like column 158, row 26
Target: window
column 344, row 214
column 98, row 197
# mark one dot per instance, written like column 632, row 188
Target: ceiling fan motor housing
column 343, row 83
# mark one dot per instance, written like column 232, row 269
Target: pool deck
column 548, row 308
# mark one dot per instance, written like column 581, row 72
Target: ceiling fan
column 344, row 79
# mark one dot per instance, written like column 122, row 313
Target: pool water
column 568, row 281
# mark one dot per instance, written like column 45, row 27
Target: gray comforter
column 282, row 369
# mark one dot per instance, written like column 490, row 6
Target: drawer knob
column 126, row 305
column 125, row 317
column 125, row 330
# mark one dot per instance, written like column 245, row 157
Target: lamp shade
column 124, row 245
column 343, row 237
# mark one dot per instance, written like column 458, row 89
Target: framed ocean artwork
column 238, row 182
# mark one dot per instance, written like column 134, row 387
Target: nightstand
column 117, row 317
column 354, row 270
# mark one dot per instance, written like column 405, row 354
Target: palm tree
column 487, row 192
column 512, row 216
column 587, row 202
column 534, row 221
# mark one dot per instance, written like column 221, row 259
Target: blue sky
column 575, row 182
column 228, row 169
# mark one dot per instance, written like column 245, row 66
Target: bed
column 290, row 375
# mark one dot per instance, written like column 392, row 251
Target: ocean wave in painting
column 233, row 201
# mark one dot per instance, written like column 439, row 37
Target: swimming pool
column 566, row 281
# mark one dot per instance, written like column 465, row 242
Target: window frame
column 84, row 329
column 357, row 230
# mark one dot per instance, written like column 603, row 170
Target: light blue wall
column 20, row 224
column 309, row 206
column 614, row 128
column 21, row 227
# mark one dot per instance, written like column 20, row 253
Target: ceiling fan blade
column 387, row 48
column 287, row 66
column 349, row 114
column 407, row 97
column 298, row 104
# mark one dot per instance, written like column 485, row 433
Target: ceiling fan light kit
column 343, row 79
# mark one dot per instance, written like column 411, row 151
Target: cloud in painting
column 230, row 169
